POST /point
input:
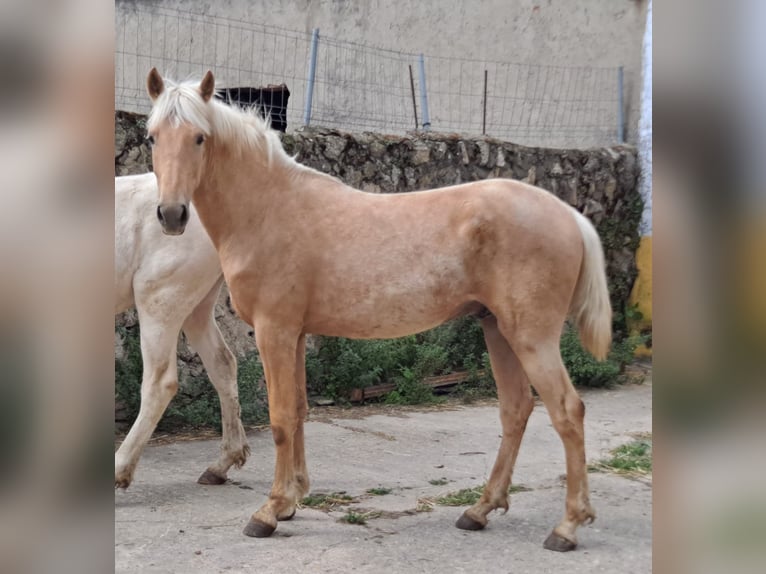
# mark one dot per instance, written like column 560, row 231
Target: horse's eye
column 200, row 139
column 150, row 140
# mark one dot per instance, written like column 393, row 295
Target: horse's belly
column 383, row 318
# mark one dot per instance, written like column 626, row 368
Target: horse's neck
column 236, row 195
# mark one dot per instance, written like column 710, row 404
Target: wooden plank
column 359, row 395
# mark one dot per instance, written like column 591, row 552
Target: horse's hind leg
column 547, row 374
column 159, row 385
column 205, row 338
column 516, row 404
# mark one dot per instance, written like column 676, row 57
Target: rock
column 500, row 161
column 440, row 150
column 556, row 170
column 369, row 170
column 592, row 207
column 409, row 176
column 612, row 153
column 572, row 186
column 610, row 188
column 422, row 154
column 396, row 175
column 377, row 149
column 591, row 164
column 483, row 152
column 463, row 152
column 371, row 187
column 334, row 146
column 531, row 176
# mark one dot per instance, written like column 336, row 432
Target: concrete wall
column 243, row 48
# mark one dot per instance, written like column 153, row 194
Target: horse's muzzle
column 173, row 218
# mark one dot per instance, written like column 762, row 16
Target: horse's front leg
column 158, row 386
column 278, row 349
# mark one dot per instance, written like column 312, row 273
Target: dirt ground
column 167, row 523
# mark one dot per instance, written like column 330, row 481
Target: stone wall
column 600, row 182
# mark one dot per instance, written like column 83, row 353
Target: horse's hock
column 600, row 182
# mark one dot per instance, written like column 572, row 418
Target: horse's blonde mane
column 242, row 130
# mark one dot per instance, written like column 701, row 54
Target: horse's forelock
column 180, row 103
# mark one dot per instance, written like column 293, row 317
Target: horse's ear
column 154, row 84
column 207, row 86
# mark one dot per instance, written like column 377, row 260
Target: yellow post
column 641, row 296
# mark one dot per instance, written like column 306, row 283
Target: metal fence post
column 423, row 94
column 621, row 107
column 412, row 91
column 310, row 79
column 484, row 107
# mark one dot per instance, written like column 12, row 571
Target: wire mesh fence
column 362, row 88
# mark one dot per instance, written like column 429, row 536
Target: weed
column 359, row 518
column 327, row 501
column 514, row 488
column 379, row 491
column 424, row 505
column 470, row 496
column 463, row 497
column 633, row 458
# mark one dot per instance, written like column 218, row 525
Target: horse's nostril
column 184, row 215
column 159, row 214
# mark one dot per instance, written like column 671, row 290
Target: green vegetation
column 462, row 497
column 633, row 458
column 352, row 517
column 586, row 371
column 379, row 491
column 337, row 366
column 196, row 405
column 327, row 501
column 470, row 496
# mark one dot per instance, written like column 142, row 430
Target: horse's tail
column 590, row 307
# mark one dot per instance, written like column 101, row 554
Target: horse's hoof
column 288, row 517
column 465, row 522
column 257, row 529
column 121, row 482
column 558, row 543
column 209, row 477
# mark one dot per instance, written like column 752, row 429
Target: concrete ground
column 165, row 522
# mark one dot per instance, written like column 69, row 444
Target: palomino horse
column 304, row 253
column 173, row 283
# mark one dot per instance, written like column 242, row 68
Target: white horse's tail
column 590, row 308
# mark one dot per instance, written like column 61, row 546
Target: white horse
column 173, row 282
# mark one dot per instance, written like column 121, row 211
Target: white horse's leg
column 205, row 338
column 159, row 385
